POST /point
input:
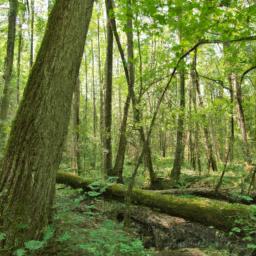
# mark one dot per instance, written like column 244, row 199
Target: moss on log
column 225, row 195
column 221, row 215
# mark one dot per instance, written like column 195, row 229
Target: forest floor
column 85, row 225
column 88, row 224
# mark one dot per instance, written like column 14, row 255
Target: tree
column 76, row 159
column 32, row 30
column 107, row 147
column 209, row 147
column 179, row 150
column 27, row 178
column 5, row 101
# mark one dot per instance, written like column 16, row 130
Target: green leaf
column 48, row 234
column 251, row 246
column 2, row 236
column 34, row 245
column 93, row 193
column 236, row 230
column 20, row 252
column 64, row 237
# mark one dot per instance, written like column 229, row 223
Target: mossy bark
column 27, row 178
column 208, row 212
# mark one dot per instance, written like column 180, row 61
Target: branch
column 246, row 72
column 118, row 42
column 201, row 42
column 220, row 82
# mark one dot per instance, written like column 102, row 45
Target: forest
column 127, row 128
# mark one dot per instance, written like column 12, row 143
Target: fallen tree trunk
column 160, row 230
column 208, row 212
column 225, row 195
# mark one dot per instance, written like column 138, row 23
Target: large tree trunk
column 107, row 138
column 35, row 146
column 208, row 212
column 4, row 107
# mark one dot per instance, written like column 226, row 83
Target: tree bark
column 129, row 71
column 197, row 129
column 101, row 88
column 179, row 151
column 76, row 160
column 120, row 156
column 94, row 156
column 208, row 212
column 20, row 48
column 241, row 117
column 232, row 123
column 32, row 22
column 8, row 68
column 107, row 147
column 210, row 154
column 33, row 155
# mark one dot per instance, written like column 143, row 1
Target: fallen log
column 160, row 230
column 224, row 195
column 182, row 252
column 219, row 214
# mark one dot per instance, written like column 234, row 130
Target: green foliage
column 64, row 237
column 109, row 239
column 20, row 252
column 34, row 245
column 2, row 236
column 246, row 229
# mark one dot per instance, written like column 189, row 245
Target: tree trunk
column 20, row 46
column 107, row 154
column 32, row 22
column 131, row 96
column 94, row 157
column 33, row 155
column 86, row 90
column 232, row 123
column 120, row 156
column 179, row 151
column 241, row 117
column 8, row 67
column 76, row 161
column 210, row 154
column 197, row 131
column 101, row 88
column 208, row 212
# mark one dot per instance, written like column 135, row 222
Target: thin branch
column 220, row 82
column 246, row 72
column 118, row 42
column 202, row 42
